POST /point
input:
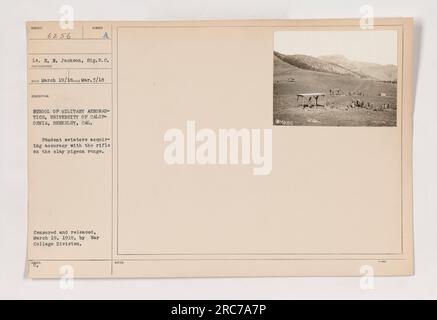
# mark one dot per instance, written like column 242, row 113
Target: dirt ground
column 336, row 113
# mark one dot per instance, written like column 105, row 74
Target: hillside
column 316, row 81
column 373, row 70
column 315, row 64
column 338, row 64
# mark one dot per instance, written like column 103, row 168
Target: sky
column 378, row 46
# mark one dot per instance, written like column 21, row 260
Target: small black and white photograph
column 335, row 78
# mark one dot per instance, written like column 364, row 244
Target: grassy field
column 290, row 81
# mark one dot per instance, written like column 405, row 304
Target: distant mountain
column 316, row 64
column 338, row 64
column 373, row 70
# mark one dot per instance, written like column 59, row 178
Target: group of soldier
column 357, row 103
column 356, row 93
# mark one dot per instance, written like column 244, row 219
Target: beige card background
column 338, row 198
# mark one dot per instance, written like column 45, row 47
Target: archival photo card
column 143, row 163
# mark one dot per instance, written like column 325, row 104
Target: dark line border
column 112, row 154
column 211, row 259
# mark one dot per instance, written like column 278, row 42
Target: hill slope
column 306, row 81
column 338, row 64
column 315, row 64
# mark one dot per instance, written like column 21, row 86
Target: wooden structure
column 311, row 96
